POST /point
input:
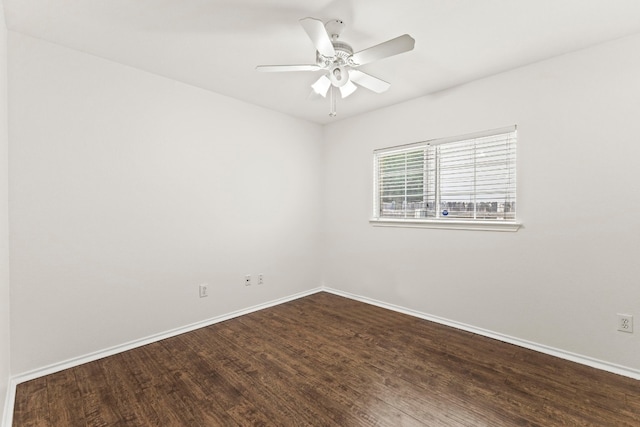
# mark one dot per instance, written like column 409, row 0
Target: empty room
column 324, row 213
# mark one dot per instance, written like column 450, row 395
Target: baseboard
column 9, row 401
column 76, row 361
column 562, row 354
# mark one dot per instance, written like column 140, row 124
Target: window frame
column 442, row 223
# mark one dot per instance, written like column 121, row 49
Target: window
column 462, row 180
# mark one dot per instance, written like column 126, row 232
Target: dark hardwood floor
column 325, row 360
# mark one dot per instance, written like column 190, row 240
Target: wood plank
column 31, row 405
column 268, row 386
column 177, row 391
column 63, row 388
column 245, row 413
column 131, row 403
column 155, row 385
column 99, row 400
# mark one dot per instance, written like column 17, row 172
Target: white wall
column 128, row 190
column 4, row 220
column 562, row 278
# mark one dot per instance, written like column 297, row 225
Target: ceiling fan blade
column 318, row 35
column 321, row 86
column 391, row 47
column 368, row 81
column 347, row 89
column 280, row 68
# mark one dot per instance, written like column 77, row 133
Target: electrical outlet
column 204, row 290
column 260, row 279
column 247, row 280
column 625, row 323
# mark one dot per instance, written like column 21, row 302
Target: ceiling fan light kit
column 337, row 60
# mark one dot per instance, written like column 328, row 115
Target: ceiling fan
column 339, row 62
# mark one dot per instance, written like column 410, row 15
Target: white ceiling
column 216, row 44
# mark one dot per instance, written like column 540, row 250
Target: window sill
column 446, row 224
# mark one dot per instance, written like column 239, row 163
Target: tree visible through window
column 470, row 178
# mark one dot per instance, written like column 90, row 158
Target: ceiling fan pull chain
column 332, row 95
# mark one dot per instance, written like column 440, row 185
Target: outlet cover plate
column 625, row 323
column 204, row 290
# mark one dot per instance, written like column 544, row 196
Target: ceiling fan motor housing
column 343, row 52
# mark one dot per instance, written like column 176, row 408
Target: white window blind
column 469, row 178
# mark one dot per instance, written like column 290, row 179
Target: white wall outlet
column 260, row 279
column 204, row 290
column 625, row 323
column 247, row 280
